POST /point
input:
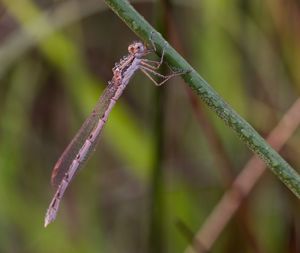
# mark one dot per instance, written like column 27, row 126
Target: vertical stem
column 156, row 240
column 157, row 213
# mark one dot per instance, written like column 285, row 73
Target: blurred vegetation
column 56, row 58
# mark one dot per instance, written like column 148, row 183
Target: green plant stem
column 157, row 201
column 244, row 130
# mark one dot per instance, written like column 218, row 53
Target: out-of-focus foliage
column 56, row 57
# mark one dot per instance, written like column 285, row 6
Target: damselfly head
column 137, row 48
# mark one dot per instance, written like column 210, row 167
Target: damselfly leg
column 149, row 67
column 146, row 68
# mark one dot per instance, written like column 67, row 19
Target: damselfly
column 86, row 138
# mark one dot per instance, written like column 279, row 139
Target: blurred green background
column 156, row 174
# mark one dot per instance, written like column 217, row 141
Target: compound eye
column 131, row 49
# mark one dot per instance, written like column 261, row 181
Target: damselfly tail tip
column 46, row 223
column 49, row 218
